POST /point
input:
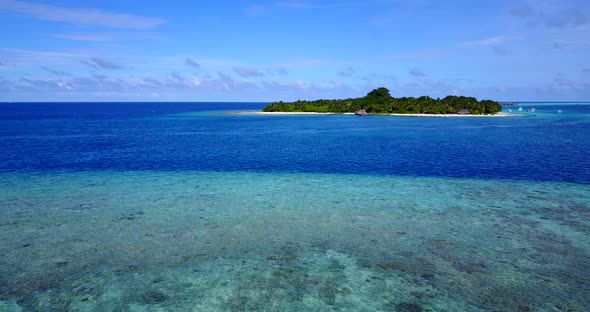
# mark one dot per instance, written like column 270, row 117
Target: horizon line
column 253, row 102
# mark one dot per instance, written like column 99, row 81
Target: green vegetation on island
column 379, row 101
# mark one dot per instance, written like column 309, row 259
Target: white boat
column 559, row 111
column 520, row 109
column 532, row 110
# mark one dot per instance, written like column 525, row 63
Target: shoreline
column 501, row 114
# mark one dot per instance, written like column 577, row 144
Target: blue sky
column 129, row 50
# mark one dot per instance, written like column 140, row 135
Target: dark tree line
column 379, row 101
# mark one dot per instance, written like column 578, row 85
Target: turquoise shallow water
column 188, row 207
column 247, row 241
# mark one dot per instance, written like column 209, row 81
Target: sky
column 128, row 50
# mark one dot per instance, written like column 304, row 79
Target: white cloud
column 490, row 41
column 190, row 62
column 571, row 17
column 195, row 81
column 81, row 16
column 522, row 11
column 27, row 58
column 246, row 72
column 554, row 14
column 54, row 71
column 97, row 62
column 95, row 37
column 416, row 72
column 205, row 87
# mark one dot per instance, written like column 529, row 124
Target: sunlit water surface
column 197, row 210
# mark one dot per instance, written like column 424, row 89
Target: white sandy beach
column 501, row 114
column 456, row 115
column 295, row 113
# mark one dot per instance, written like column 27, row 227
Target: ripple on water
column 247, row 242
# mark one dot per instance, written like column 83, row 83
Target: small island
column 379, row 101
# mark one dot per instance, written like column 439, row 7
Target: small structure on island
column 464, row 112
column 361, row 112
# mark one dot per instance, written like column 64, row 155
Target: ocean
column 193, row 207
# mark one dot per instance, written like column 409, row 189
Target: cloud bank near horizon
column 266, row 53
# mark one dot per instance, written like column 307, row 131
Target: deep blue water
column 202, row 137
column 190, row 207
